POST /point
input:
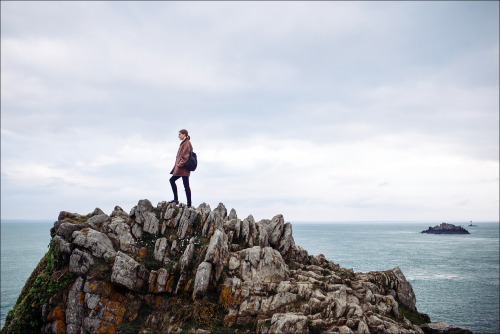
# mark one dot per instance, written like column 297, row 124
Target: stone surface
column 128, row 273
column 217, row 252
column 80, row 262
column 96, row 242
column 202, row 279
column 443, row 328
column 167, row 268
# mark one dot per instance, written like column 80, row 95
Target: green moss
column 414, row 316
column 26, row 317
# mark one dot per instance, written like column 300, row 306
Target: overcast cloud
column 320, row 111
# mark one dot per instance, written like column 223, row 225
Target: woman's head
column 183, row 134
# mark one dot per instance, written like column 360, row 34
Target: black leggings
column 185, row 180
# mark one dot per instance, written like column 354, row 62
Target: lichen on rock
column 176, row 269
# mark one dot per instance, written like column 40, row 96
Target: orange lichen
column 143, row 252
column 228, row 298
column 81, row 297
column 61, row 326
column 170, row 284
column 106, row 328
column 57, row 314
column 188, row 285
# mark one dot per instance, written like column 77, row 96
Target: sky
column 320, row 111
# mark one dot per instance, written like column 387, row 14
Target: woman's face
column 181, row 136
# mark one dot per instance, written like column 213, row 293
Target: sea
column 455, row 277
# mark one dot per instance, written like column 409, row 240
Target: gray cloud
column 282, row 100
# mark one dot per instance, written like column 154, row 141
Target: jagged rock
column 232, row 225
column 74, row 311
column 64, row 246
column 145, row 217
column 232, row 214
column 80, row 262
column 137, row 231
column 161, row 246
column 213, row 223
column 245, row 230
column 404, row 291
column 97, row 221
column 217, row 252
column 96, row 212
column 65, row 230
column 239, row 264
column 443, row 328
column 128, row 273
column 186, row 223
column 96, row 242
column 289, row 323
column 67, row 215
column 286, row 241
column 120, row 229
column 299, row 254
column 202, row 279
column 187, row 256
column 221, row 209
column 260, row 265
column 204, row 210
column 119, row 212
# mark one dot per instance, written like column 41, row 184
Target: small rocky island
column 446, row 228
column 178, row 269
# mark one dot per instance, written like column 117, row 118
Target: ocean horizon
column 455, row 277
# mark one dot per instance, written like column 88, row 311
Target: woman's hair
column 185, row 133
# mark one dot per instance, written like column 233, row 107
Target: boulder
column 145, row 217
column 161, row 246
column 218, row 252
column 286, row 241
column 443, row 328
column 186, row 224
column 80, row 262
column 404, row 290
column 202, row 280
column 289, row 323
column 119, row 212
column 120, row 229
column 65, row 230
column 97, row 221
column 261, row 265
column 64, row 246
column 221, row 209
column 128, row 273
column 96, row 212
column 74, row 310
column 96, row 242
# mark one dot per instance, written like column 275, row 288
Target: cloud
column 319, row 111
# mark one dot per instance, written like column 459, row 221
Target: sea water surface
column 455, row 277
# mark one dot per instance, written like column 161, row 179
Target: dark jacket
column 181, row 159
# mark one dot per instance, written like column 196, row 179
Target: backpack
column 192, row 162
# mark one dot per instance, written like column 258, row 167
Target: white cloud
column 319, row 111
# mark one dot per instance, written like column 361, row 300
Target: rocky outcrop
column 172, row 269
column 445, row 228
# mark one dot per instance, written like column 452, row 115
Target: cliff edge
column 174, row 269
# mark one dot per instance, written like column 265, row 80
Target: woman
column 179, row 170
